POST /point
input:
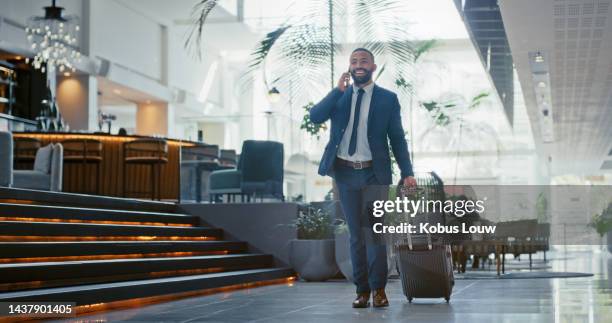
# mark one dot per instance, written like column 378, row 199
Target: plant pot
column 343, row 255
column 313, row 260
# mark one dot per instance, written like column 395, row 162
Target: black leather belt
column 354, row 165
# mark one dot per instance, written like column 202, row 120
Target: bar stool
column 148, row 152
column 227, row 158
column 201, row 158
column 24, row 152
column 84, row 152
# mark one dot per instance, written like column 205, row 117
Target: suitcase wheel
column 447, row 298
column 409, row 299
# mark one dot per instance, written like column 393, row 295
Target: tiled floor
column 584, row 299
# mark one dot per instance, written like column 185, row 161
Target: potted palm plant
column 312, row 253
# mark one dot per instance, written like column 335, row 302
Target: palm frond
column 302, row 49
column 258, row 56
column 380, row 71
column 404, row 85
column 307, row 44
column 201, row 10
column 423, row 47
column 384, row 34
column 477, row 100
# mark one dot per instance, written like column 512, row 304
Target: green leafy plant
column 313, row 224
column 441, row 112
column 445, row 113
column 200, row 13
column 311, row 128
column 602, row 223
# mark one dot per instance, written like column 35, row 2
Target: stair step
column 47, row 229
column 97, row 250
column 111, row 292
column 63, row 213
column 10, row 251
column 22, row 272
column 22, row 276
column 28, row 196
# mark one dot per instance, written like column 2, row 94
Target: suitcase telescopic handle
column 402, row 192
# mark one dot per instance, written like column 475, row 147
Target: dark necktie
column 353, row 143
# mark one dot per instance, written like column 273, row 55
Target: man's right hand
column 344, row 81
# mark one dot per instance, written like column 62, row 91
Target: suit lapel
column 372, row 107
column 348, row 96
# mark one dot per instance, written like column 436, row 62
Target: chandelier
column 54, row 40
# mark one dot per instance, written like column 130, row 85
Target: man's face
column 362, row 66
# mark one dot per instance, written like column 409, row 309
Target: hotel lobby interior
column 159, row 163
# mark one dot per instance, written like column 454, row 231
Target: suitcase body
column 424, row 262
column 426, row 270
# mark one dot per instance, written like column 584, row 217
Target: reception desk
column 111, row 167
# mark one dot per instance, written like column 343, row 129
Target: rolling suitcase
column 424, row 262
column 425, row 268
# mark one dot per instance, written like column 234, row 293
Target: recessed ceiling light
column 541, row 84
column 67, row 74
column 117, row 91
column 18, row 57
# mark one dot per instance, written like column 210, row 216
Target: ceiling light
column 541, row 84
column 53, row 38
column 67, row 74
column 117, row 91
column 539, row 58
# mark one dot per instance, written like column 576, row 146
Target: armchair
column 259, row 172
column 47, row 172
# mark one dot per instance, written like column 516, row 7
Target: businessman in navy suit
column 365, row 118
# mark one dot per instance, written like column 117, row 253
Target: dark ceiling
column 484, row 22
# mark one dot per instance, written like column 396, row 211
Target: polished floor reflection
column 582, row 299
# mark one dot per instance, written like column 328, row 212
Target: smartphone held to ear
column 347, row 80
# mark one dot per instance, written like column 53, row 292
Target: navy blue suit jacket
column 384, row 121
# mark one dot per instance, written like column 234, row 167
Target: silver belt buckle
column 357, row 165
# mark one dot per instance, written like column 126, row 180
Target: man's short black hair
column 361, row 49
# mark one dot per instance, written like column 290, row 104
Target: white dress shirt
column 362, row 153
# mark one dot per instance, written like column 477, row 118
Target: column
column 77, row 99
column 152, row 119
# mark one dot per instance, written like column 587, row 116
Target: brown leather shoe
column 362, row 300
column 380, row 298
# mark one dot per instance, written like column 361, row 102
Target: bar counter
column 111, row 167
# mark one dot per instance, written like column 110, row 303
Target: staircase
column 103, row 252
